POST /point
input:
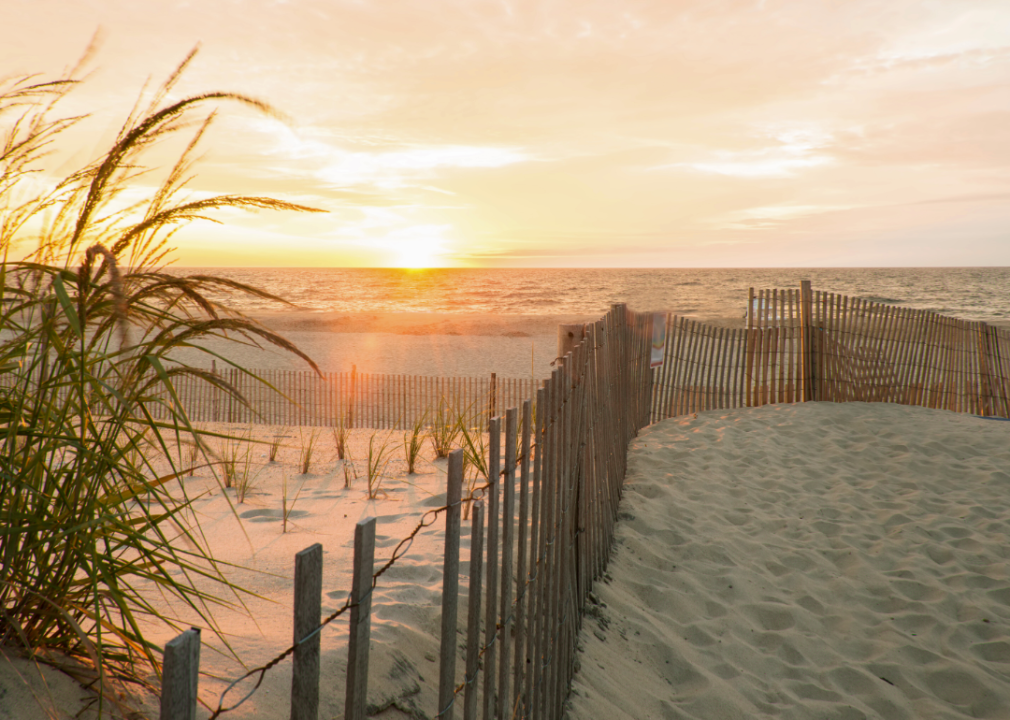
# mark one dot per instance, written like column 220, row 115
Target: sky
column 566, row 133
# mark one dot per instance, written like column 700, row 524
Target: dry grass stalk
column 444, row 429
column 275, row 443
column 308, row 443
column 378, row 460
column 340, row 434
column 413, row 441
column 90, row 319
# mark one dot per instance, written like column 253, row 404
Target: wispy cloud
column 524, row 129
column 385, row 168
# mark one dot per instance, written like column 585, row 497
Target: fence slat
column 508, row 519
column 450, row 585
column 522, row 577
column 490, row 617
column 307, row 610
column 180, row 676
column 473, row 611
column 361, row 620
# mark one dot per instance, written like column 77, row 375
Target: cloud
column 689, row 124
column 338, row 167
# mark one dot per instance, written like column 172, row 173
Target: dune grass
column 280, row 433
column 476, row 451
column 413, row 442
column 341, row 431
column 88, row 322
column 444, row 429
column 308, row 440
column 376, row 464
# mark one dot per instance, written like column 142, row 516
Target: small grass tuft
column 413, row 440
column 350, row 471
column 444, row 429
column 341, row 432
column 475, row 457
column 308, row 441
column 288, row 503
column 277, row 441
column 378, row 460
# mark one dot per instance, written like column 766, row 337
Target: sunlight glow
column 418, row 246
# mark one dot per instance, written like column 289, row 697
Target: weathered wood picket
column 803, row 345
column 570, row 451
column 284, row 397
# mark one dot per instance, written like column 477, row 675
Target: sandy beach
column 795, row 561
column 251, row 534
column 807, row 561
column 435, row 344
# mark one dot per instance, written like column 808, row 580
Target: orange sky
column 671, row 133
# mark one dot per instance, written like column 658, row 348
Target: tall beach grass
column 89, row 320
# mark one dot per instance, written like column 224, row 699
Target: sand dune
column 406, row 604
column 794, row 561
column 807, row 561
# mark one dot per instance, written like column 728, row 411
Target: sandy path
column 515, row 346
column 807, row 561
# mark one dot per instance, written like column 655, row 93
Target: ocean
column 967, row 293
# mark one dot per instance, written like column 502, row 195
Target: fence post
column 508, row 518
column 807, row 341
column 569, row 335
column 350, row 401
column 179, row 676
column 361, row 620
column 492, row 397
column 522, row 625
column 215, row 394
column 473, row 611
column 450, row 585
column 985, row 403
column 491, row 566
column 308, row 609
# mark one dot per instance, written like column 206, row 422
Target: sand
column 406, row 605
column 801, row 561
column 457, row 345
column 807, row 561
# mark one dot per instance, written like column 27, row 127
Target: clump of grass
column 474, row 444
column 90, row 319
column 275, row 443
column 288, row 503
column 230, row 453
column 350, row 471
column 192, row 456
column 237, row 464
column 340, row 434
column 413, row 440
column 378, row 460
column 308, row 441
column 245, row 481
column 444, row 429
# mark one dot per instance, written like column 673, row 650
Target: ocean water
column 968, row 293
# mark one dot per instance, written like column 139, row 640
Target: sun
column 416, row 258
column 422, row 247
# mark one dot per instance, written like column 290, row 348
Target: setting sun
column 420, row 246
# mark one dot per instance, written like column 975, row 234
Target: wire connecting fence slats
column 802, row 345
column 562, row 459
column 356, row 400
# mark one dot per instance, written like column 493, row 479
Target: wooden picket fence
column 801, row 345
column 294, row 398
column 549, row 507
